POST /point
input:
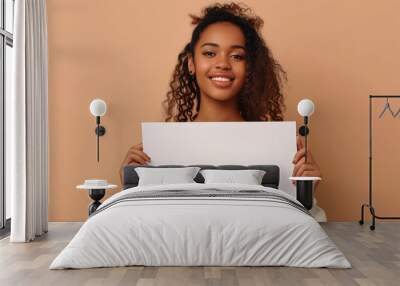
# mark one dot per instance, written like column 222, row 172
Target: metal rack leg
column 372, row 210
column 361, row 221
column 374, row 216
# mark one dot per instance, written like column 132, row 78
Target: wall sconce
column 305, row 109
column 98, row 108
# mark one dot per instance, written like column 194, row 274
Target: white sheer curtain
column 27, row 123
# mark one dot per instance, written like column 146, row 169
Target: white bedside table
column 97, row 190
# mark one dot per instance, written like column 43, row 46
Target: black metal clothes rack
column 370, row 205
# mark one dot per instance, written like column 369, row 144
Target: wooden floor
column 375, row 257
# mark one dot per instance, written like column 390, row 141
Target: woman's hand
column 309, row 169
column 135, row 155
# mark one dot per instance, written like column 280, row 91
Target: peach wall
column 335, row 52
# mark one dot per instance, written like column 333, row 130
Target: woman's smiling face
column 220, row 61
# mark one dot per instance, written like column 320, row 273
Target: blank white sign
column 220, row 143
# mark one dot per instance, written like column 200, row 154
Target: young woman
column 226, row 73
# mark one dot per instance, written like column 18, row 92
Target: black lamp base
column 96, row 195
column 304, row 193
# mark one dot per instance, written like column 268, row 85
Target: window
column 6, row 57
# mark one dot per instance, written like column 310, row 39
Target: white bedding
column 200, row 231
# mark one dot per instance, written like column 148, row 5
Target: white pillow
column 162, row 176
column 248, row 177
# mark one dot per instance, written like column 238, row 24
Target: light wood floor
column 375, row 257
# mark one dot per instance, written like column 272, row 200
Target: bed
column 201, row 224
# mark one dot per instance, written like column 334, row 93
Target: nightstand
column 97, row 190
column 304, row 190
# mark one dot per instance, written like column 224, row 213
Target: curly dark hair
column 260, row 98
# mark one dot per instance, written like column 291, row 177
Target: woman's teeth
column 218, row 78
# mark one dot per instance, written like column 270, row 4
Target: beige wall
column 335, row 52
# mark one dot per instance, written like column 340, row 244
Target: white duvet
column 200, row 231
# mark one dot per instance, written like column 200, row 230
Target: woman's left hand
column 309, row 169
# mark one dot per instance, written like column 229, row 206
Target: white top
column 96, row 184
column 87, row 187
column 305, row 178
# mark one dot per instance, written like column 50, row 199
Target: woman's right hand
column 135, row 155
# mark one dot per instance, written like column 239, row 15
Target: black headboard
column 270, row 179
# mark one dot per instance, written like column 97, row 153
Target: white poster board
column 221, row 143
